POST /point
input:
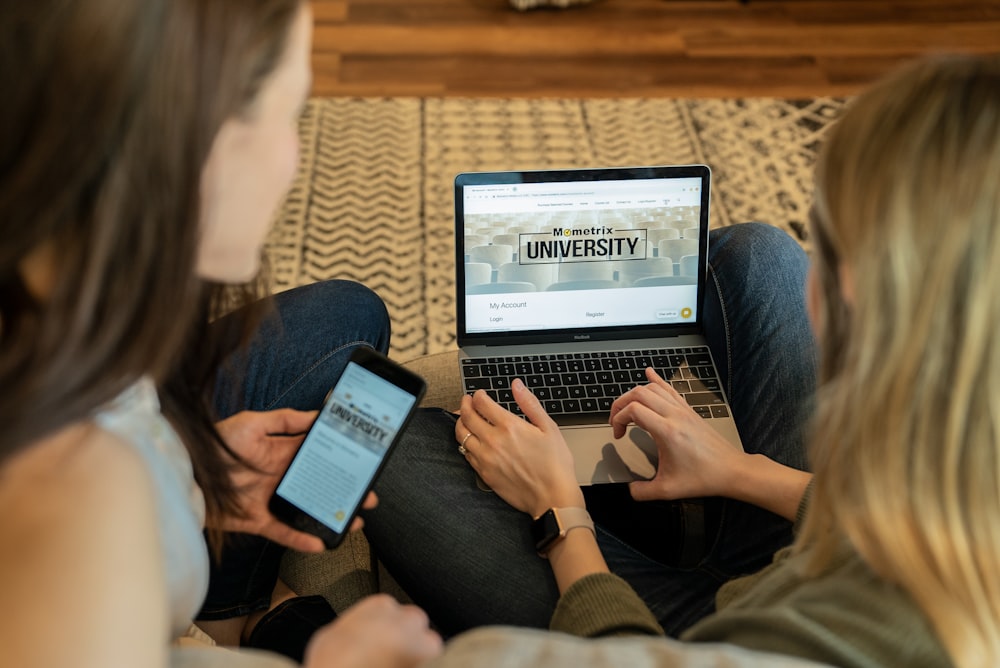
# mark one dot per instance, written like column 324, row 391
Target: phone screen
column 345, row 447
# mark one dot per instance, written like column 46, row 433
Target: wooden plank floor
column 633, row 48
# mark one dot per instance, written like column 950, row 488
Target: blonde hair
column 907, row 431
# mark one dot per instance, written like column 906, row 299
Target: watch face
column 545, row 530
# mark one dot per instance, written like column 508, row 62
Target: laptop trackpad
column 600, row 458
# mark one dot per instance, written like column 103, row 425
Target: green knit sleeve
column 600, row 605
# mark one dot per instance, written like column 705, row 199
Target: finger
column 431, row 645
column 624, row 400
column 474, row 461
column 414, row 615
column 620, row 420
column 467, row 434
column 659, row 381
column 471, row 417
column 652, row 397
column 461, row 429
column 639, row 414
column 275, row 458
column 656, row 378
column 371, row 500
column 531, row 406
column 287, row 440
column 286, row 421
column 422, row 642
column 646, row 490
column 283, row 448
column 656, row 385
column 297, row 540
column 489, row 409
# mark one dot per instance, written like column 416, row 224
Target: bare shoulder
column 78, row 525
column 77, row 471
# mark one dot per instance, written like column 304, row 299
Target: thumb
column 296, row 540
column 644, row 490
column 290, row 421
column 530, row 405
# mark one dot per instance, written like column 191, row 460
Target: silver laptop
column 577, row 280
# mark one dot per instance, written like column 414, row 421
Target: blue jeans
column 468, row 558
column 295, row 357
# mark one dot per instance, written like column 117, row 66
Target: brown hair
column 907, row 441
column 110, row 111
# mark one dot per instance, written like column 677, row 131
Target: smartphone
column 360, row 422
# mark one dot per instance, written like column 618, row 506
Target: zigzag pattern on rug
column 373, row 199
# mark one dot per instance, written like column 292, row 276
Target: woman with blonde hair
column 906, row 446
column 896, row 559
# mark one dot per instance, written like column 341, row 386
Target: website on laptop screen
column 581, row 254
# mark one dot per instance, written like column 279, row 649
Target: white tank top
column 134, row 416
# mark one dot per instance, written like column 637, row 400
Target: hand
column 378, row 632
column 527, row 463
column 694, row 459
column 268, row 441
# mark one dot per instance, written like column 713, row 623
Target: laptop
column 577, row 280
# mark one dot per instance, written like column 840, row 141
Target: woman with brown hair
column 896, row 560
column 144, row 146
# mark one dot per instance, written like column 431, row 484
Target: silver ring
column 462, row 451
column 462, row 444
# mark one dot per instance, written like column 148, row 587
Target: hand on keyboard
column 694, row 460
column 526, row 462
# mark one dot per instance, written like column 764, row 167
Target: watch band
column 555, row 523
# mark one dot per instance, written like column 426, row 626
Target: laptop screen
column 569, row 250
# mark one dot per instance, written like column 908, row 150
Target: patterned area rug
column 373, row 199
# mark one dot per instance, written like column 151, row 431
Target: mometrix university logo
column 587, row 244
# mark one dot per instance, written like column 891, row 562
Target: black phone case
column 399, row 376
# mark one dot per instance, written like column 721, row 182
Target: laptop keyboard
column 588, row 383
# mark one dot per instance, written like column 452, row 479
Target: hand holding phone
column 346, row 447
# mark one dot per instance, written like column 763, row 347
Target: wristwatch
column 555, row 523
